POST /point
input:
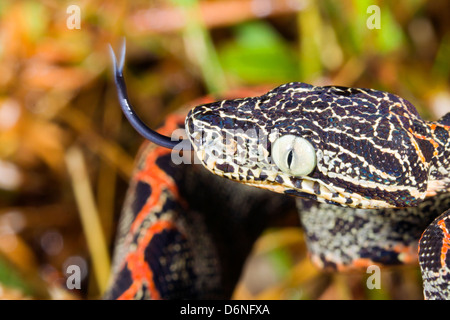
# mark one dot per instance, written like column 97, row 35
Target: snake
column 367, row 176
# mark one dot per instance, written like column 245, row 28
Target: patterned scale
column 340, row 238
column 434, row 258
column 369, row 175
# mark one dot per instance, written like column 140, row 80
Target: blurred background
column 66, row 153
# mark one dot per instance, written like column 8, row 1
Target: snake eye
column 294, row 155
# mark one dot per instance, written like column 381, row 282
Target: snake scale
column 369, row 178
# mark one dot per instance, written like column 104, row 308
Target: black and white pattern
column 373, row 149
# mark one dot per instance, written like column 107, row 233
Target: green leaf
column 281, row 261
column 258, row 55
column 9, row 277
column 390, row 36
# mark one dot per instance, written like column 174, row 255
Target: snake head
column 353, row 147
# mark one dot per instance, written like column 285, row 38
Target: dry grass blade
column 89, row 216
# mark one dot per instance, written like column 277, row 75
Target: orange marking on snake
column 434, row 143
column 362, row 263
column 158, row 180
column 155, row 177
column 356, row 264
column 411, row 135
column 406, row 254
column 416, row 146
column 445, row 242
column 130, row 293
column 433, row 127
column 140, row 270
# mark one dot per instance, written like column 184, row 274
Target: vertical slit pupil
column 290, row 157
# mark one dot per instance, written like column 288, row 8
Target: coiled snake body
column 367, row 173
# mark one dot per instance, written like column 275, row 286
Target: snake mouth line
column 304, row 187
column 314, row 190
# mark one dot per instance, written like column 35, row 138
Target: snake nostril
column 214, row 136
column 190, row 125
